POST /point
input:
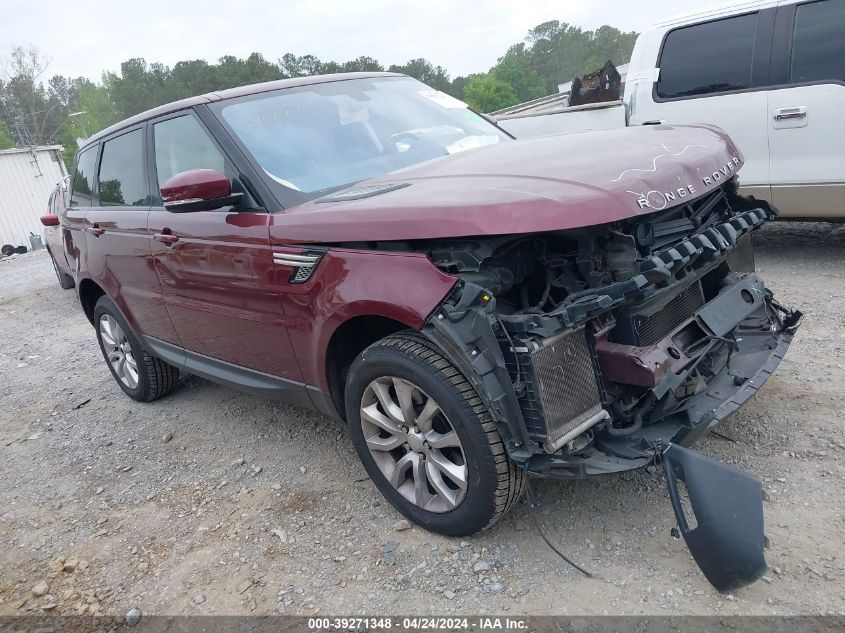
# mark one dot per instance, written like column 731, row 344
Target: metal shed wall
column 27, row 177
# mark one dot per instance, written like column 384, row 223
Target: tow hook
column 727, row 541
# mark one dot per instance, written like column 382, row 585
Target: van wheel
column 141, row 376
column 65, row 280
column 426, row 439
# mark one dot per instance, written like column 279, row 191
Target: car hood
column 540, row 184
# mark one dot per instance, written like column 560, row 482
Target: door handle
column 782, row 114
column 95, row 230
column 166, row 238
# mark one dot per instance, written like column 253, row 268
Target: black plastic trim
column 462, row 329
column 231, row 375
column 727, row 541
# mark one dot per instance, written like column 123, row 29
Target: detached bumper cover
column 727, row 541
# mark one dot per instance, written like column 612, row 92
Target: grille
column 561, row 391
column 653, row 327
column 302, row 274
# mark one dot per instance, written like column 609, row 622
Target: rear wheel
column 426, row 438
column 141, row 376
column 65, row 280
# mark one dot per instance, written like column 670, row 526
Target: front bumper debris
column 727, row 541
column 632, row 374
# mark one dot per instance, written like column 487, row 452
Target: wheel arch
column 347, row 341
column 89, row 293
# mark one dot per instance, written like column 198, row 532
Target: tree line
column 36, row 109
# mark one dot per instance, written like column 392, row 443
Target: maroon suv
column 477, row 308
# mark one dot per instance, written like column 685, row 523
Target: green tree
column 6, row 140
column 559, row 52
column 91, row 111
column 426, row 72
column 457, row 86
column 194, row 77
column 514, row 68
column 361, row 64
column 27, row 105
column 139, row 86
column 299, row 66
column 488, row 94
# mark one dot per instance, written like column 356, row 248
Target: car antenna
column 555, row 549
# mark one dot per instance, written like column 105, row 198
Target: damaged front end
column 607, row 348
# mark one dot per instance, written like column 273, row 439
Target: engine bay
column 610, row 337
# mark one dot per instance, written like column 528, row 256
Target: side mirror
column 51, row 219
column 198, row 190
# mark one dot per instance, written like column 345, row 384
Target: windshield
column 324, row 136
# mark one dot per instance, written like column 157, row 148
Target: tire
column 153, row 378
column 65, row 280
column 407, row 362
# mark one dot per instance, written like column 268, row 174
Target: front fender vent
column 303, row 264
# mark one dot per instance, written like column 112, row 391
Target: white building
column 27, row 177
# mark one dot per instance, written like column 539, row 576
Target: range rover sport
column 478, row 309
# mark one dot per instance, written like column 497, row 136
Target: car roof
column 231, row 93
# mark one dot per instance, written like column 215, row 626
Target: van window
column 181, row 144
column 123, row 179
column 708, row 58
column 818, row 42
column 83, row 178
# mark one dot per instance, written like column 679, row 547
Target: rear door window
column 83, row 178
column 818, row 42
column 182, row 144
column 708, row 58
column 122, row 178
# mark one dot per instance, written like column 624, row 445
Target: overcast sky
column 86, row 37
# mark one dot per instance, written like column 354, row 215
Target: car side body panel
column 404, row 287
column 221, row 287
column 117, row 256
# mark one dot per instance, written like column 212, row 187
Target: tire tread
column 511, row 479
column 161, row 377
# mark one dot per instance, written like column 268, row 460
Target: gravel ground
column 213, row 502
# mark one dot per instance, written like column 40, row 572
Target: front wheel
column 426, row 439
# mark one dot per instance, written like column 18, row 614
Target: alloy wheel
column 118, row 351
column 413, row 444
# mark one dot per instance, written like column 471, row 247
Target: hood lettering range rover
column 479, row 310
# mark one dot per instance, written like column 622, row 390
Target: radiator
column 561, row 389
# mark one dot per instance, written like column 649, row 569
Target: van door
column 807, row 110
column 117, row 243
column 715, row 72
